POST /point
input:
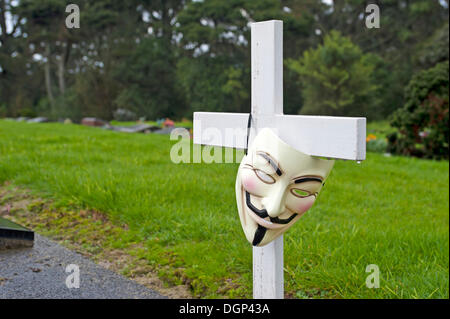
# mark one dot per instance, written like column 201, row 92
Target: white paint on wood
column 267, row 68
column 324, row 136
column 267, row 102
column 333, row 137
column 206, row 122
column 268, row 279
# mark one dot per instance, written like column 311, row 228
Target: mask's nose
column 275, row 203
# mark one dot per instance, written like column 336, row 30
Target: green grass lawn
column 388, row 211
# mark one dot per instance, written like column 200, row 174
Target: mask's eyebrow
column 271, row 162
column 298, row 180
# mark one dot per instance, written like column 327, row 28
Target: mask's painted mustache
column 282, row 221
column 260, row 212
column 263, row 213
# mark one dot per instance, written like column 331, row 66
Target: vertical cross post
column 322, row 136
column 267, row 101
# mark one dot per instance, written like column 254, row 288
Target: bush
column 377, row 145
column 27, row 112
column 423, row 121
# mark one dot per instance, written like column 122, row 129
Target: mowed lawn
column 388, row 211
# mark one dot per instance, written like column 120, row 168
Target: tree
column 201, row 51
column 149, row 81
column 435, row 49
column 405, row 26
column 47, row 34
column 215, row 70
column 336, row 77
column 161, row 16
column 14, row 95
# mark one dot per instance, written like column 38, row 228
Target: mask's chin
column 260, row 231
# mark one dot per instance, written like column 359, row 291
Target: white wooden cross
column 323, row 136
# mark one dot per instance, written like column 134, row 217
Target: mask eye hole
column 264, row 177
column 300, row 193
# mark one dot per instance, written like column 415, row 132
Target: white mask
column 275, row 185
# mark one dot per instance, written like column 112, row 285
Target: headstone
column 139, row 128
column 40, row 119
column 165, row 130
column 93, row 121
column 123, row 115
column 13, row 235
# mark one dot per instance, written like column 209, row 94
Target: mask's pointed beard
column 259, row 235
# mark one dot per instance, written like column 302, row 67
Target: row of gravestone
column 39, row 119
column 166, row 125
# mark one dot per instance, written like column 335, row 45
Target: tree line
column 170, row 58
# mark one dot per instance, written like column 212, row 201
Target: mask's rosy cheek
column 305, row 203
column 249, row 183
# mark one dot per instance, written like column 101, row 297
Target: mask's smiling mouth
column 260, row 216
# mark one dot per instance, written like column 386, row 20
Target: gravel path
column 39, row 272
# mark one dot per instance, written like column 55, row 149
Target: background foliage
column 170, row 58
column 337, row 77
column 423, row 121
